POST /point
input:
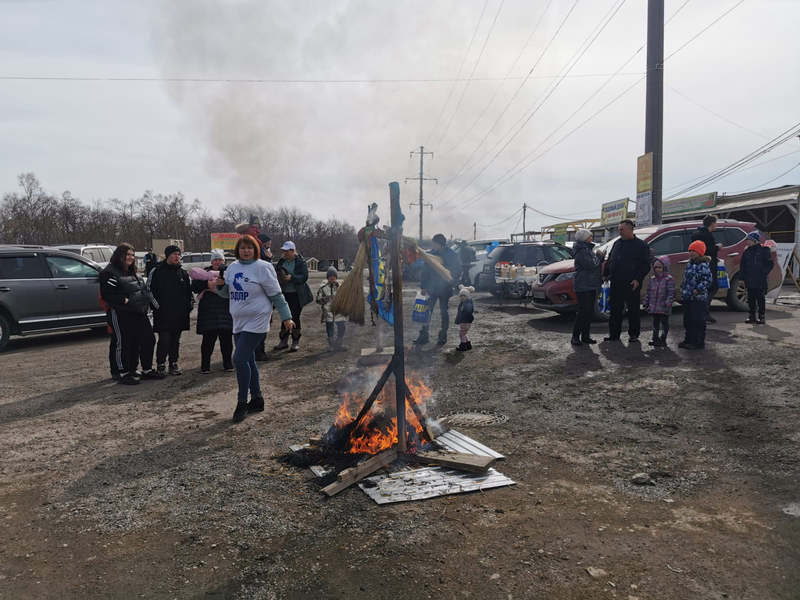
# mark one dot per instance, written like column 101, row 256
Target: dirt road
column 151, row 491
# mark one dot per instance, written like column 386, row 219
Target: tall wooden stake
column 397, row 303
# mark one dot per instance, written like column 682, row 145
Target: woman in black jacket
column 128, row 299
column 754, row 270
column 586, row 283
column 213, row 316
column 293, row 276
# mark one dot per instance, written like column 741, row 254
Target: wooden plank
column 315, row 441
column 435, row 428
column 358, row 472
column 455, row 460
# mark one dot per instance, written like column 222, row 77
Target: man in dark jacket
column 705, row 234
column 467, row 257
column 754, row 270
column 586, row 283
column 437, row 289
column 172, row 302
column 150, row 261
column 627, row 266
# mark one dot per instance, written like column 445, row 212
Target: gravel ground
column 151, row 491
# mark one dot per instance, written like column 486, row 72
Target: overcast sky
column 332, row 148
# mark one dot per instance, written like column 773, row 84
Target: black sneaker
column 136, row 373
column 115, row 376
column 710, row 320
column 576, row 342
column 229, row 369
column 589, row 341
column 262, row 357
column 611, row 339
column 462, row 347
column 682, row 344
column 633, row 338
column 469, row 345
column 240, row 413
column 652, row 343
column 154, row 375
column 205, row 371
column 127, row 380
column 162, row 369
column 750, row 319
column 174, row 369
column 694, row 346
column 761, row 321
column 256, row 405
column 421, row 340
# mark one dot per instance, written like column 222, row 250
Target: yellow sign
column 644, row 173
column 224, row 241
column 560, row 233
column 612, row 213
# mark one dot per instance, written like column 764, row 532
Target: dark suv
column 44, row 289
column 527, row 254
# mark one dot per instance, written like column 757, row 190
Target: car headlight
column 566, row 276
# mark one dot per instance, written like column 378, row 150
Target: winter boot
column 284, row 343
column 576, row 341
column 761, row 320
column 240, row 413
column 469, row 345
column 296, row 335
column 442, row 339
column 422, row 339
column 462, row 347
column 256, row 404
column 339, row 347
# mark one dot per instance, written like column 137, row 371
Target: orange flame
column 378, row 430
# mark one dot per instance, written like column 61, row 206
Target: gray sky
column 331, row 148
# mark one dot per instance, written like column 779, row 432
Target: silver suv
column 98, row 253
column 44, row 289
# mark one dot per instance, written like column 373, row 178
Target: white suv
column 97, row 253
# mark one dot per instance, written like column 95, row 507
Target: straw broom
column 349, row 300
column 434, row 262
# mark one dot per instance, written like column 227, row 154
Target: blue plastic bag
column 722, row 277
column 604, row 299
column 422, row 309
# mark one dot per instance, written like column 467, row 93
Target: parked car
column 97, row 253
column 527, row 254
column 195, row 259
column 481, row 256
column 553, row 288
column 45, row 289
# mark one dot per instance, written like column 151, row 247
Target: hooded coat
column 756, row 266
column 171, row 297
column 588, row 268
column 697, row 277
column 661, row 290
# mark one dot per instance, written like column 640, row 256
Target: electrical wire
column 768, row 182
column 500, row 87
column 503, row 221
column 466, row 87
column 466, row 54
column 558, row 82
column 726, row 13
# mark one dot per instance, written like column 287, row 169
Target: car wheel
column 517, row 290
column 737, row 295
column 5, row 332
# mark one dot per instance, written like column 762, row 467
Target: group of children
column 661, row 293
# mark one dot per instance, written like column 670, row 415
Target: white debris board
column 430, row 482
column 458, row 442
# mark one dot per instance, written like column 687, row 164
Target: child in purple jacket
column 659, row 298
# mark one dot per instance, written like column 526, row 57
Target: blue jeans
column 244, row 360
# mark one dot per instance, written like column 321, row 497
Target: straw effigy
column 350, row 300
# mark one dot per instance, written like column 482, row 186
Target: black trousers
column 293, row 300
column 465, row 280
column 168, row 345
column 583, row 318
column 444, row 302
column 225, row 347
column 133, row 341
column 621, row 296
column 756, row 297
column 694, row 321
column 660, row 324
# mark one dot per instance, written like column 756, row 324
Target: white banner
column 784, row 254
column 644, row 209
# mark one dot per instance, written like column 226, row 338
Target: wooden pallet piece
column 455, row 460
column 355, row 474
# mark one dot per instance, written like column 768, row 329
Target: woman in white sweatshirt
column 253, row 289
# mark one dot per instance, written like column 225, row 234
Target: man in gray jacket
column 588, row 280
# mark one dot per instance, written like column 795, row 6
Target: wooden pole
column 397, row 303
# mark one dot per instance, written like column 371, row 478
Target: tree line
column 31, row 215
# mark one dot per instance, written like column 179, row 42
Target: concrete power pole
column 524, row 229
column 654, row 117
column 421, row 178
column 474, row 231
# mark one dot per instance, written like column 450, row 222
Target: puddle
column 792, row 509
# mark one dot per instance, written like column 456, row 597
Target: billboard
column 692, row 203
column 644, row 190
column 612, row 213
column 224, row 241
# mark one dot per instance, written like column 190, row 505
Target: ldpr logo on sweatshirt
column 239, row 294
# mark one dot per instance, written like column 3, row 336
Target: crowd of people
column 629, row 263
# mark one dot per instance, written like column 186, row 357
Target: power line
column 768, row 182
column 675, row 14
column 558, row 82
column 466, row 54
column 281, row 81
column 500, row 87
column 726, row 13
column 503, row 221
column 477, row 62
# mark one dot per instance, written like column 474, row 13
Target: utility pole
column 524, row 230
column 421, row 178
column 474, row 231
column 654, row 116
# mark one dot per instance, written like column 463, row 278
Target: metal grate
column 473, row 418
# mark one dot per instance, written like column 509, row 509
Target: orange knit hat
column 698, row 246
